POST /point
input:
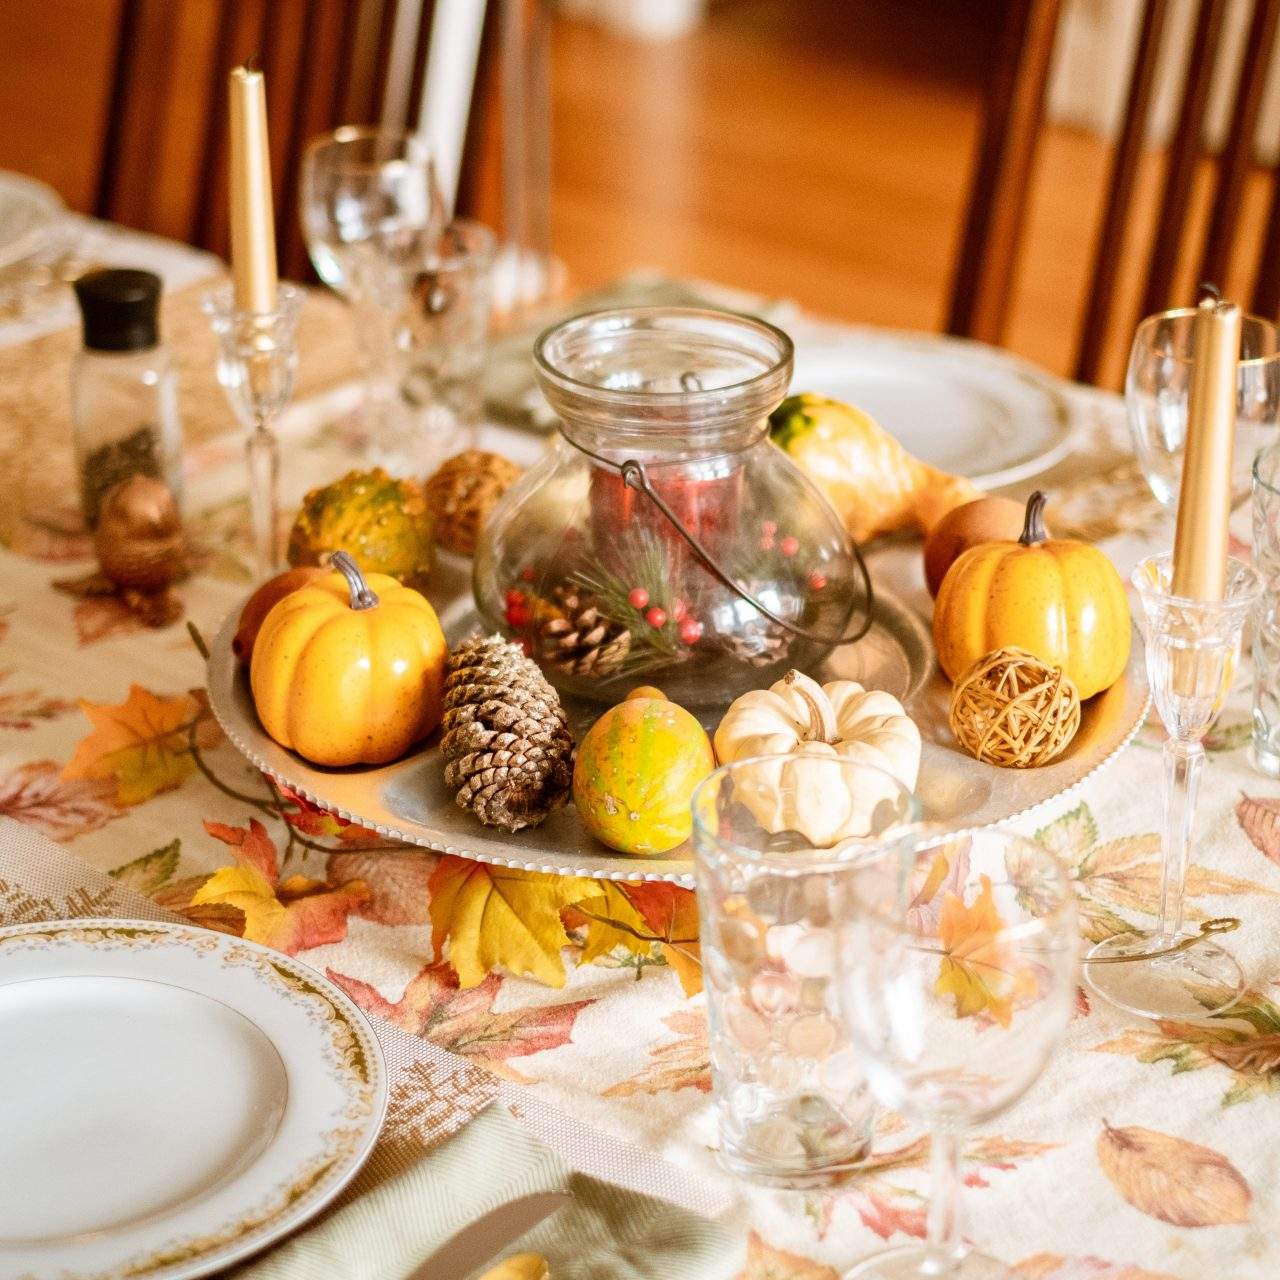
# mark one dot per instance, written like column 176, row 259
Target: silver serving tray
column 408, row 800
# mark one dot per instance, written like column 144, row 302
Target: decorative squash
column 983, row 520
column 263, row 600
column 636, row 772
column 816, row 725
column 874, row 484
column 1061, row 600
column 349, row 671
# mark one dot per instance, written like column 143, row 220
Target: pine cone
column 582, row 641
column 461, row 494
column 506, row 744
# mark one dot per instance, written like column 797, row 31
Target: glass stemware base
column 1195, row 982
column 917, row 1262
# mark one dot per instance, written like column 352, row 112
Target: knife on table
column 480, row 1241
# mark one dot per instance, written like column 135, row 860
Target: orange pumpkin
column 1059, row 599
column 635, row 774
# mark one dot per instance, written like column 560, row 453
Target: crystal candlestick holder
column 257, row 357
column 1193, row 647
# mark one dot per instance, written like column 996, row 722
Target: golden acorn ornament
column 463, row 492
column 139, row 540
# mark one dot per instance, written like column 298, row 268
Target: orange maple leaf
column 978, row 970
column 143, row 743
column 289, row 915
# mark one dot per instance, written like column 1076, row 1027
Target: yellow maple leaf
column 142, row 743
column 978, row 971
column 501, row 918
column 640, row 916
column 612, row 921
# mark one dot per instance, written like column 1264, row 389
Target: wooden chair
column 327, row 62
column 1006, row 156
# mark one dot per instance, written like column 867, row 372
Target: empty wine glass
column 957, row 962
column 1156, row 390
column 372, row 214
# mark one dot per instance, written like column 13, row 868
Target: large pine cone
column 581, row 641
column 507, row 746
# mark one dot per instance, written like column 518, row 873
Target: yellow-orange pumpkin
column 349, row 670
column 1059, row 599
column 636, row 771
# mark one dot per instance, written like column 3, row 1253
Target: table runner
column 1143, row 1152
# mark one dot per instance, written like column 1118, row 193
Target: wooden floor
column 821, row 150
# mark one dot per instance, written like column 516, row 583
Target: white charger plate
column 171, row 1099
column 963, row 406
column 29, row 211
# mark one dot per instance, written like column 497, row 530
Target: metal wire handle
column 635, row 477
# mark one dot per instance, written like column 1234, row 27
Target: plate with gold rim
column 172, row 1099
column 407, row 800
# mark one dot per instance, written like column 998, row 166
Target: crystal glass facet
column 1266, row 632
column 791, row 1100
column 1157, row 385
column 957, row 968
column 604, row 589
column 1193, row 648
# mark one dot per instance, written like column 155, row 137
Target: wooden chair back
column 1006, row 156
column 326, row 62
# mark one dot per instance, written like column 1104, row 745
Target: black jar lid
column 120, row 309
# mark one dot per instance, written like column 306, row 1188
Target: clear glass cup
column 664, row 539
column 372, row 213
column 1157, row 386
column 445, row 332
column 1266, row 630
column 791, row 1100
column 957, row 963
column 1193, row 647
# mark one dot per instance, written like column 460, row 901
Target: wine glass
column 957, row 962
column 372, row 213
column 1156, row 390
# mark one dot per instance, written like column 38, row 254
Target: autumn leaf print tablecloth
column 1147, row 1149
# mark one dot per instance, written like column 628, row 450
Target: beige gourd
column 819, row 726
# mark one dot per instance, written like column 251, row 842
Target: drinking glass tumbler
column 957, row 962
column 1266, row 630
column 1157, row 386
column 791, row 1101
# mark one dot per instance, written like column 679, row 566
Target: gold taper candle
column 1204, row 503
column 253, row 235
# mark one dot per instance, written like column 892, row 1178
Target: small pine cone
column 463, row 492
column 759, row 645
column 582, row 641
column 507, row 747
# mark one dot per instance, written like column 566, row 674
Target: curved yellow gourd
column 1059, row 599
column 349, row 671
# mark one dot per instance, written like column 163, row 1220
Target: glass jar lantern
column 663, row 539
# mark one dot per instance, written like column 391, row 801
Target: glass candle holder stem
column 944, row 1230
column 257, row 358
column 1183, row 764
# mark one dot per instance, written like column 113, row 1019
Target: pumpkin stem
column 361, row 596
column 822, row 722
column 1033, row 529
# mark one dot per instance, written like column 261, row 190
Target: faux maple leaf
column 977, row 969
column 40, row 794
column 320, row 823
column 142, row 743
column 289, row 915
column 500, row 918
column 436, row 1008
column 682, row 1063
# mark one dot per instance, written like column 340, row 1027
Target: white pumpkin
column 820, row 726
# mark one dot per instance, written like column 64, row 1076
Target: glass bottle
column 663, row 539
column 124, row 398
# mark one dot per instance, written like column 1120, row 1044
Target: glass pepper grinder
column 124, row 395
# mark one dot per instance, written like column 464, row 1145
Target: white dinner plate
column 171, row 1099
column 963, row 406
column 29, row 212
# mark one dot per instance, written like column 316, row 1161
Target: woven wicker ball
column 461, row 494
column 1012, row 710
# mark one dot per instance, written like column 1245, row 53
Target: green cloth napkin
column 607, row 1233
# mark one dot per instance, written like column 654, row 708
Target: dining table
column 1145, row 1151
